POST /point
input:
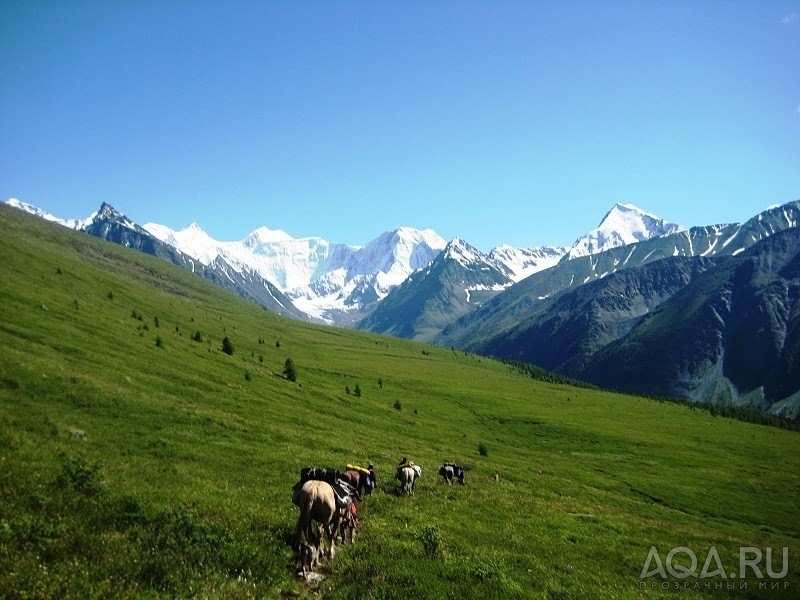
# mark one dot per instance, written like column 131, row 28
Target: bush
column 397, row 405
column 76, row 474
column 357, row 390
column 483, row 450
column 431, row 539
column 227, row 346
column 197, row 336
column 159, row 342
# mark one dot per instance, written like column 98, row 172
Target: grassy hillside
column 136, row 461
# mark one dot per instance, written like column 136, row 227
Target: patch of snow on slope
column 522, row 262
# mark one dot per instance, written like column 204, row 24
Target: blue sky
column 499, row 122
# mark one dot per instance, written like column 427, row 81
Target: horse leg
column 330, row 531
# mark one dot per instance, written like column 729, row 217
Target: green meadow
column 139, row 460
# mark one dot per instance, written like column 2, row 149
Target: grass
column 131, row 468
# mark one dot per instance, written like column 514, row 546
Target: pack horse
column 408, row 473
column 363, row 480
column 451, row 471
column 323, row 498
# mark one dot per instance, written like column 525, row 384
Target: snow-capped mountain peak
column 109, row 213
column 263, row 235
column 463, row 253
column 395, row 254
column 70, row 223
column 624, row 224
column 420, row 236
column 192, row 240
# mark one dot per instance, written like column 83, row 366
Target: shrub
column 197, row 336
column 397, row 405
column 227, row 346
column 483, row 450
column 76, row 474
column 247, row 376
column 159, row 342
column 357, row 390
column 347, row 389
column 431, row 539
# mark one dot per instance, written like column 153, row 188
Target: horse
column 452, row 471
column 363, row 480
column 317, row 502
column 349, row 523
column 408, row 478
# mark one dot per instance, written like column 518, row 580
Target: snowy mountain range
column 341, row 284
column 638, row 304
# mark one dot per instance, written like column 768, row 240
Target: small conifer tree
column 289, row 370
column 227, row 346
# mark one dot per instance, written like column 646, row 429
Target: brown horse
column 317, row 503
column 362, row 482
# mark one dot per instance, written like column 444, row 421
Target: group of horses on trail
column 329, row 498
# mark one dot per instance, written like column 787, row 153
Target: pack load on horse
column 452, row 471
column 364, row 480
column 343, row 490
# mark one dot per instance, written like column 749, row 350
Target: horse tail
column 304, row 522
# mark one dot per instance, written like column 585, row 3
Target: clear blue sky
column 499, row 122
